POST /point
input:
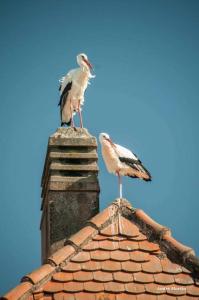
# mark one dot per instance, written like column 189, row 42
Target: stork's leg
column 80, row 115
column 120, row 227
column 120, row 184
column 71, row 110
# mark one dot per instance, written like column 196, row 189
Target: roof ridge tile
column 177, row 246
column 24, row 288
column 61, row 255
column 80, row 238
column 146, row 220
column 104, row 218
column 39, row 275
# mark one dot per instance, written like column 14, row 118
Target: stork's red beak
column 88, row 63
column 111, row 142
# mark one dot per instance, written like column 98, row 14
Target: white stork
column 72, row 88
column 121, row 161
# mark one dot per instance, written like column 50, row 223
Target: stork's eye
column 82, row 56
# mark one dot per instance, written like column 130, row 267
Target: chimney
column 70, row 188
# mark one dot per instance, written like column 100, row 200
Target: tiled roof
column 121, row 254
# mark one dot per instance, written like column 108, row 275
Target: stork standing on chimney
column 121, row 161
column 72, row 88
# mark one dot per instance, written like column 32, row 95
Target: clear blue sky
column 145, row 95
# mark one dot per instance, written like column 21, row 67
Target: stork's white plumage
column 121, row 161
column 72, row 88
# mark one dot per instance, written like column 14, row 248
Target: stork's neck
column 84, row 69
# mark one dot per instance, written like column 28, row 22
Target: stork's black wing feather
column 65, row 93
column 136, row 164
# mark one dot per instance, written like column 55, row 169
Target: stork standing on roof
column 121, row 161
column 72, row 88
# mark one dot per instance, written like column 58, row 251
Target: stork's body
column 72, row 90
column 121, row 161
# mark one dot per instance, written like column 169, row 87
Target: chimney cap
column 72, row 137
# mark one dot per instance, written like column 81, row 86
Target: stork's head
column 83, row 61
column 104, row 137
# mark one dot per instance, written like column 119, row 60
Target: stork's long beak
column 111, row 142
column 88, row 63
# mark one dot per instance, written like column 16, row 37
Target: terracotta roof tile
column 91, row 286
column 38, row 296
column 143, row 297
column 72, row 267
column 154, row 288
column 152, row 266
column 53, row 287
column 175, row 290
column 105, row 296
column 117, row 238
column 47, row 297
column 164, row 278
column 63, row 276
column 130, row 266
column 73, row 286
column 17, row 292
column 183, row 279
column 169, row 267
column 128, row 245
column 82, row 236
column 103, row 217
column 148, row 246
column 39, row 274
column 125, row 297
column 111, row 266
column 127, row 228
column 61, row 255
column 184, row 270
column 108, row 245
column 119, row 255
column 63, row 296
column 91, row 246
column 140, row 237
column 192, row 290
column 83, row 276
column 143, row 277
column 85, row 296
column 177, row 245
column 99, row 237
column 114, row 287
column 91, row 266
column 169, row 297
column 112, row 229
column 123, row 277
column 100, row 255
column 135, row 288
column 102, row 276
column 149, row 221
column 139, row 256
column 81, row 257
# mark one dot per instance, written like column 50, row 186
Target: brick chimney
column 70, row 188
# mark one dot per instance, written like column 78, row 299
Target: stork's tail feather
column 136, row 168
column 133, row 173
column 144, row 178
column 66, row 123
